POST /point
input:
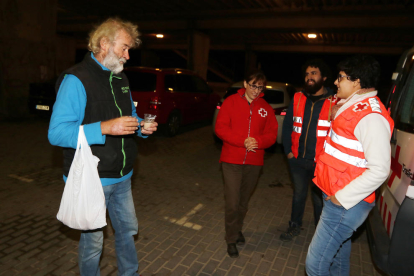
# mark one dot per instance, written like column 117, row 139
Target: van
column 390, row 225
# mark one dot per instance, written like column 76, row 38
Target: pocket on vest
column 334, row 173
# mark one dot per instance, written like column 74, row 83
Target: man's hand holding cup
column 148, row 125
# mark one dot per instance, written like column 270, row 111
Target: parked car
column 390, row 226
column 277, row 94
column 176, row 96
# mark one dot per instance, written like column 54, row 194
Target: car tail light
column 154, row 102
column 218, row 105
column 280, row 111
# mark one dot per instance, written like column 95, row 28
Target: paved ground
column 176, row 179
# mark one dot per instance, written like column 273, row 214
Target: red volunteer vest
column 343, row 159
column 324, row 122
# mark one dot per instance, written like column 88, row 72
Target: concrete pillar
column 198, row 49
column 27, row 50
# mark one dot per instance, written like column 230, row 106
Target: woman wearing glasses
column 247, row 125
column 354, row 163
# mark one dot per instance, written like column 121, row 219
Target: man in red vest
column 305, row 128
column 354, row 163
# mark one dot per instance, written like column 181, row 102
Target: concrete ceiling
column 342, row 26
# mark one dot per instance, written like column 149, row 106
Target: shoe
column 240, row 240
column 232, row 250
column 291, row 232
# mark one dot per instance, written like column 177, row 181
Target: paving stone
column 14, row 247
column 156, row 265
column 189, row 259
column 67, row 266
column 264, row 267
column 210, row 267
column 249, row 269
column 292, row 261
column 33, row 242
column 184, row 250
column 194, row 268
column 173, row 262
column 179, row 271
column 279, row 264
column 153, row 255
column 289, row 272
column 234, row 271
column 25, row 264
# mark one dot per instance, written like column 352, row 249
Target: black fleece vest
column 108, row 97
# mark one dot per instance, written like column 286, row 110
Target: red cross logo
column 262, row 112
column 360, row 107
column 396, row 167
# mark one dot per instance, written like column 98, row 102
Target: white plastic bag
column 83, row 201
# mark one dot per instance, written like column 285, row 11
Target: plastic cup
column 148, row 120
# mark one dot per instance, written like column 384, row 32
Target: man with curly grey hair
column 95, row 93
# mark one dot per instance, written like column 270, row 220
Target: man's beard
column 113, row 62
column 313, row 88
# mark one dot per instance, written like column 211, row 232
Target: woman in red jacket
column 247, row 125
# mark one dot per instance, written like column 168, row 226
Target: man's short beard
column 314, row 88
column 113, row 62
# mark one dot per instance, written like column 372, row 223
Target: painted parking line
column 184, row 220
column 21, row 178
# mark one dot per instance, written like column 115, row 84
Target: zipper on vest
column 120, row 113
column 307, row 129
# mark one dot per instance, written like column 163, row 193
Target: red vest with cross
column 343, row 159
column 324, row 122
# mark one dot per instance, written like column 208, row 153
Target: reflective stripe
column 322, row 133
column 345, row 142
column 297, row 119
column 324, row 123
column 375, row 105
column 352, row 160
column 297, row 129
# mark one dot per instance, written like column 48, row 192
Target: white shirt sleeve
column 373, row 131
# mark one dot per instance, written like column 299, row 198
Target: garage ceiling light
column 311, row 35
column 159, row 35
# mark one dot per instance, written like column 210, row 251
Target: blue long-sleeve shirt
column 68, row 114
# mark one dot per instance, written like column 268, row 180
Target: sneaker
column 291, row 232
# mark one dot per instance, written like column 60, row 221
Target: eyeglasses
column 254, row 87
column 339, row 78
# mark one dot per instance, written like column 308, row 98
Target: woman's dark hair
column 317, row 63
column 256, row 76
column 362, row 67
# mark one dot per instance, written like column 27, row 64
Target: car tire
column 173, row 124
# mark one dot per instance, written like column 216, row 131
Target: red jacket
column 238, row 120
column 343, row 158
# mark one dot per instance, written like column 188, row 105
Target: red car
column 176, row 96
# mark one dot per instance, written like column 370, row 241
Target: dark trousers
column 239, row 183
column 302, row 171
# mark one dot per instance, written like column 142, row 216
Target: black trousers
column 239, row 183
